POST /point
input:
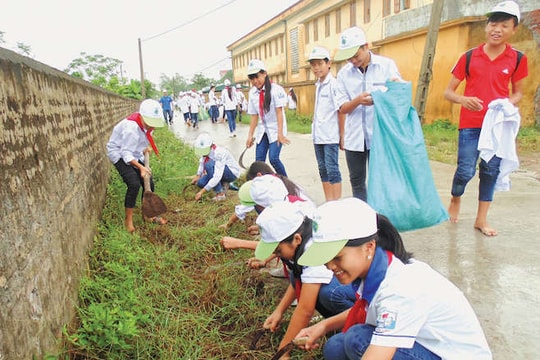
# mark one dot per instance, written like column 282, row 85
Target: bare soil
column 530, row 164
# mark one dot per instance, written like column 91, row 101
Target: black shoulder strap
column 518, row 60
column 468, row 56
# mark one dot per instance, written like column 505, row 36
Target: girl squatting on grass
column 404, row 308
column 286, row 231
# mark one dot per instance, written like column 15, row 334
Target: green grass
column 440, row 137
column 170, row 292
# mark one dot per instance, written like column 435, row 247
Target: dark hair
column 260, row 167
column 306, row 231
column 500, row 17
column 293, row 95
column 389, row 239
column 267, row 92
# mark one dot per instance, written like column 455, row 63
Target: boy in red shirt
column 491, row 67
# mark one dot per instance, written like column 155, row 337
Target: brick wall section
column 54, row 174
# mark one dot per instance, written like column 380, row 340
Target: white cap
column 334, row 224
column 350, row 41
column 319, row 53
column 227, row 82
column 267, row 189
column 507, row 7
column 254, row 66
column 151, row 113
column 203, row 143
column 277, row 222
column 238, row 86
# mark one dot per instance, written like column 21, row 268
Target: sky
column 184, row 37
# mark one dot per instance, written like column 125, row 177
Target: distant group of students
column 343, row 259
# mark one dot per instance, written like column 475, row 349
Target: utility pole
column 143, row 90
column 427, row 61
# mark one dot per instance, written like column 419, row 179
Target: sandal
column 158, row 220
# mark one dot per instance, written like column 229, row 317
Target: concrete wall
column 54, row 173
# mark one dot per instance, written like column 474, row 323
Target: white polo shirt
column 416, row 303
column 325, row 126
column 127, row 142
column 212, row 99
column 229, row 102
column 268, row 123
column 351, row 83
column 222, row 157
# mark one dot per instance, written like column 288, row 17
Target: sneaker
column 219, row 197
column 278, row 272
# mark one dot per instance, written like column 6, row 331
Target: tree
column 97, row 69
column 2, row 33
column 173, row 84
column 199, row 81
column 24, row 49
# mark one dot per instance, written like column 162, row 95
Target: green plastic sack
column 400, row 182
column 203, row 114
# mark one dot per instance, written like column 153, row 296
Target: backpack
column 468, row 55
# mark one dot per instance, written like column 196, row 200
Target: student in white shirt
column 217, row 166
column 129, row 141
column 292, row 99
column 325, row 126
column 363, row 73
column 240, row 100
column 212, row 102
column 194, row 103
column 286, row 230
column 228, row 98
column 266, row 105
column 405, row 309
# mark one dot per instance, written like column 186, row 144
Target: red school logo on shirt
column 386, row 321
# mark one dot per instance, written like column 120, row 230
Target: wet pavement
column 499, row 275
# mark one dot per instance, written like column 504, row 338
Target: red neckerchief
column 261, row 104
column 358, row 312
column 207, row 157
column 148, row 132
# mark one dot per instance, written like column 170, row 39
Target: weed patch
column 171, row 291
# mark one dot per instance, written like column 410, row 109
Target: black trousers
column 132, row 178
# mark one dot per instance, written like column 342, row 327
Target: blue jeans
column 214, row 113
column 353, row 344
column 168, row 116
column 273, row 150
column 194, row 119
column 357, row 162
column 231, row 114
column 466, row 166
column 327, row 161
column 227, row 177
column 334, row 297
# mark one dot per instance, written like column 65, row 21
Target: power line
column 190, row 21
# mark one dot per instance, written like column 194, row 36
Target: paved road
column 500, row 276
